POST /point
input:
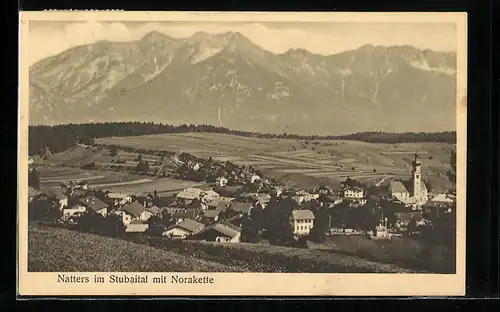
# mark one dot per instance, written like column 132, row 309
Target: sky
column 48, row 38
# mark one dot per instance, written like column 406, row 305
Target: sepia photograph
column 181, row 144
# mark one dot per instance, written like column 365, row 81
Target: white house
column 303, row 196
column 302, row 221
column 218, row 233
column 353, row 192
column 221, row 181
column 137, row 226
column 183, row 229
column 254, row 178
column 190, row 193
column 133, row 211
column 119, row 199
column 73, row 211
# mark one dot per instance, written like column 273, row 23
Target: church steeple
column 417, row 176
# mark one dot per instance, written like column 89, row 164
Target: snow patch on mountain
column 205, row 54
column 423, row 65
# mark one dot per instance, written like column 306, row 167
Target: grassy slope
column 55, row 249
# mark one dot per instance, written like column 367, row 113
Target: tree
column 113, row 225
column 155, row 226
column 113, row 151
column 412, row 226
column 34, row 179
column 142, row 166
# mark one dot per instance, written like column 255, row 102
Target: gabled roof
column 137, row 226
column 240, row 207
column 443, row 198
column 155, row 210
column 397, row 187
column 209, row 193
column 210, row 213
column 188, row 225
column 189, row 193
column 302, row 214
column 117, row 195
column 93, row 203
column 135, row 209
column 224, row 229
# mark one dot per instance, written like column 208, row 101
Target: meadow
column 61, row 250
column 301, row 163
column 52, row 249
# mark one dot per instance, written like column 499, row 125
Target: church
column 412, row 192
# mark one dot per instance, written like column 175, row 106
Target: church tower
column 417, row 177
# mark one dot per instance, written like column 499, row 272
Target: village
column 242, row 205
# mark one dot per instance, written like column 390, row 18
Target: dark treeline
column 61, row 137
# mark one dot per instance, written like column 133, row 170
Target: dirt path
column 382, row 181
column 140, row 181
column 51, row 180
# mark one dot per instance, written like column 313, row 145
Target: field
column 307, row 163
column 61, row 250
column 57, row 249
column 111, row 180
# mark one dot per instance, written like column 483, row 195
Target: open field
column 57, row 249
column 61, row 250
column 304, row 163
column 112, row 181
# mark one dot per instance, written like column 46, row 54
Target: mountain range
column 226, row 80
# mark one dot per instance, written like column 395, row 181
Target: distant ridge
column 227, row 80
column 68, row 135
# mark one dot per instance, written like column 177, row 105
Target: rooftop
column 302, row 214
column 135, row 209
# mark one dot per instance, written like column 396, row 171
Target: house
column 240, row 207
column 278, row 189
column 210, row 215
column 119, row 199
column 333, row 199
column 353, row 192
column 218, row 233
column 398, row 190
column 254, row 178
column 183, row 229
column 404, row 218
column 30, row 161
column 304, row 196
column 137, row 226
column 263, row 199
column 189, row 193
column 221, row 181
column 302, row 221
column 208, row 195
column 220, row 203
column 155, row 211
column 92, row 203
column 182, row 215
column 324, row 190
column 57, row 195
column 133, row 211
column 443, row 199
column 74, row 211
